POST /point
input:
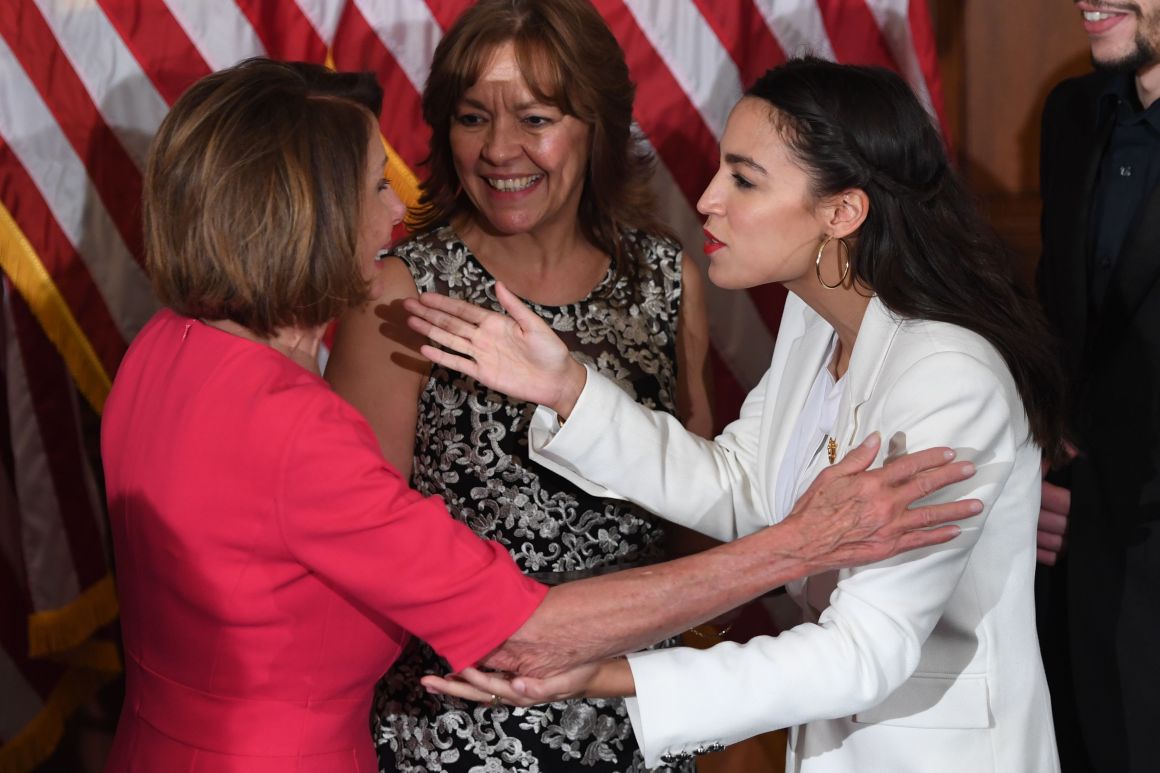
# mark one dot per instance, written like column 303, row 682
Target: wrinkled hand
column 517, row 354
column 485, row 686
column 850, row 515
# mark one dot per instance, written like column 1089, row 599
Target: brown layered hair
column 252, row 199
column 570, row 60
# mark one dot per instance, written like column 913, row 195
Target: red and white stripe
column 83, row 87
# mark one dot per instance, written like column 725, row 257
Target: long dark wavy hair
column 571, row 60
column 924, row 248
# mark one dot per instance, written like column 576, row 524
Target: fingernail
column 968, row 468
column 976, row 507
column 949, row 454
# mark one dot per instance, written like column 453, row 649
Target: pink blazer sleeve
column 349, row 517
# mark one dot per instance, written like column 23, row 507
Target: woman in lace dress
column 534, row 180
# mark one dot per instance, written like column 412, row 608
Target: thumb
column 529, row 687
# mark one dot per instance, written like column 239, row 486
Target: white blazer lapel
column 875, row 335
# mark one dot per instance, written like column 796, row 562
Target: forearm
column 596, row 618
column 648, row 458
column 847, row 517
column 613, row 679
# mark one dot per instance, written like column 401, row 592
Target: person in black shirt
column 1099, row 281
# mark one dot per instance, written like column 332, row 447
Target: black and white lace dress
column 471, row 449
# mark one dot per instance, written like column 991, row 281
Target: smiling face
column 381, row 211
column 521, row 162
column 762, row 224
column 1124, row 34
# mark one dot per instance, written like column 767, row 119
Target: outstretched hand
column 851, row 515
column 496, row 686
column 517, row 353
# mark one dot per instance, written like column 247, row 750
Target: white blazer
column 926, row 662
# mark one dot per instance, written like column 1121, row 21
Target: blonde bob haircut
column 252, row 200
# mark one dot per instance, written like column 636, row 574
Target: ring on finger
column 495, row 701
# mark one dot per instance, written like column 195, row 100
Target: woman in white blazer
column 902, row 318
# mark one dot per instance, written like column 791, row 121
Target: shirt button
column 1125, row 171
column 1105, row 262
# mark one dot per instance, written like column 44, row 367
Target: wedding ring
column 495, row 701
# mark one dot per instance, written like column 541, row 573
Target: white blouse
column 806, row 453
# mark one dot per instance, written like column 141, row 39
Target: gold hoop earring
column 845, row 263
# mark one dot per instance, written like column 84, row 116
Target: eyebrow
column 531, row 103
column 734, row 158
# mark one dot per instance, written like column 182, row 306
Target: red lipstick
column 712, row 243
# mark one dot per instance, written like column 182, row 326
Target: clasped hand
column 487, row 686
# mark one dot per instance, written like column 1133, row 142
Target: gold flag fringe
column 27, row 273
column 60, row 630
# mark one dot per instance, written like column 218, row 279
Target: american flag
column 84, row 85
